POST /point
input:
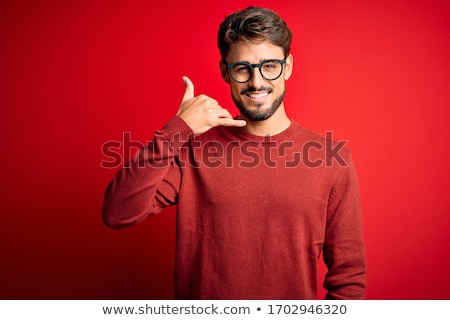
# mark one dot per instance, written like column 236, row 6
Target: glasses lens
column 271, row 70
column 241, row 72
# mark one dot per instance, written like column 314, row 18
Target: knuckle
column 210, row 111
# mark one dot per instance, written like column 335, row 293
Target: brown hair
column 253, row 24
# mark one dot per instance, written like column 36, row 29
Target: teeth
column 257, row 95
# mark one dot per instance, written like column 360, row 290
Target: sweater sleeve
column 343, row 251
column 148, row 182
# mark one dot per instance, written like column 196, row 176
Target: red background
column 75, row 75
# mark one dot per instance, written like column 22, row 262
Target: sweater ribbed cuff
column 177, row 126
column 178, row 133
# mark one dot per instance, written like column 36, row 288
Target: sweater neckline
column 283, row 135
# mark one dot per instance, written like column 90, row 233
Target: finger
column 227, row 122
column 189, row 89
column 223, row 113
column 210, row 103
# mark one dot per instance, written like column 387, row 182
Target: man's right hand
column 202, row 113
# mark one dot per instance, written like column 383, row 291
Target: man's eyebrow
column 260, row 61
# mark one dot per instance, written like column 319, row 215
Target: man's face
column 258, row 99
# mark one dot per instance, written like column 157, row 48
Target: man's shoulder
column 312, row 135
column 326, row 144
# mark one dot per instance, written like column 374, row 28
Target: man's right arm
column 151, row 180
column 148, row 182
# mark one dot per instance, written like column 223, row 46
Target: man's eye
column 241, row 69
column 270, row 66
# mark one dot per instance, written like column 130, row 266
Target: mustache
column 251, row 89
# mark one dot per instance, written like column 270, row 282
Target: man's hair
column 253, row 24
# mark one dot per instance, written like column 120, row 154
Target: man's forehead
column 254, row 52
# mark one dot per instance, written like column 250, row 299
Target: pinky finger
column 230, row 122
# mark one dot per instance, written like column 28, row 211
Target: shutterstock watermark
column 215, row 154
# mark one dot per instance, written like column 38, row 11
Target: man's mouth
column 257, row 95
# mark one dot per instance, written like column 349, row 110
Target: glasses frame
column 252, row 67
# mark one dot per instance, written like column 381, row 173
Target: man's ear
column 224, row 72
column 289, row 67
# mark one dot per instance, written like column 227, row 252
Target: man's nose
column 256, row 80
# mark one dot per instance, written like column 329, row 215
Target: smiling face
column 258, row 99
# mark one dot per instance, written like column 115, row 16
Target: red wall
column 74, row 76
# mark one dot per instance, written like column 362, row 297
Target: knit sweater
column 254, row 214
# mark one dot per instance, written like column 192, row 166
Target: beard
column 259, row 114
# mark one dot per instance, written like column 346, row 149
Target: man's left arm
column 343, row 250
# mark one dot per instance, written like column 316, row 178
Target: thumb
column 189, row 91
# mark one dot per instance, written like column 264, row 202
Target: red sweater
column 254, row 213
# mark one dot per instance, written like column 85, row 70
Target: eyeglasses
column 243, row 71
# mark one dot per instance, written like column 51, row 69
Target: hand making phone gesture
column 202, row 113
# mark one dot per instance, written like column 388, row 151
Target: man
column 259, row 197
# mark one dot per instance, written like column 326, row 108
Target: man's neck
column 277, row 123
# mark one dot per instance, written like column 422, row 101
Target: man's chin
column 256, row 113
